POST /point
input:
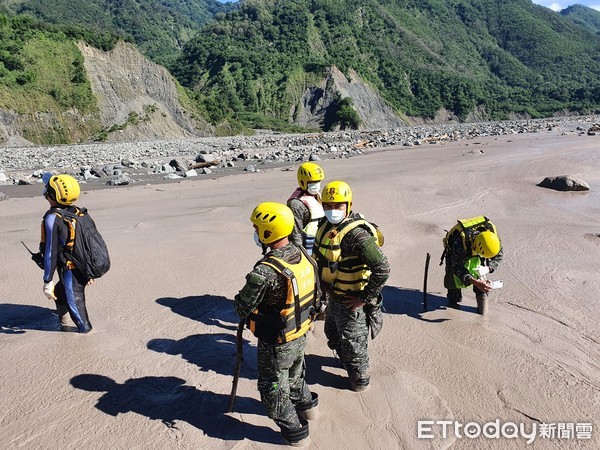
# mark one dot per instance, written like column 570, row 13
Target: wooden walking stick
column 238, row 364
column 425, row 282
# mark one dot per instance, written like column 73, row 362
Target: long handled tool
column 425, row 282
column 238, row 364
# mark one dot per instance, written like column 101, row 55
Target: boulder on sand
column 564, row 183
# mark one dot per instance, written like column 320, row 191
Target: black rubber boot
column 298, row 437
column 482, row 303
column 454, row 297
column 359, row 384
column 309, row 410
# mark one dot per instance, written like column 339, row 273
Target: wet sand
column 156, row 370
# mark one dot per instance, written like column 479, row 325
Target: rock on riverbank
column 114, row 163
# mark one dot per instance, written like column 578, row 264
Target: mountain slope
column 583, row 16
column 495, row 58
column 55, row 89
column 159, row 28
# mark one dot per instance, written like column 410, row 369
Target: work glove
column 482, row 271
column 49, row 290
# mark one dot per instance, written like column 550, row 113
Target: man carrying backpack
column 59, row 233
column 472, row 249
column 354, row 270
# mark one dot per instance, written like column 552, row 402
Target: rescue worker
column 354, row 270
column 305, row 203
column 472, row 250
column 61, row 192
column 278, row 302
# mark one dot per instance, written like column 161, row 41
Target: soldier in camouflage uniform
column 353, row 270
column 278, row 303
column 305, row 203
column 473, row 250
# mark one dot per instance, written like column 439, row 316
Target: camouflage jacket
column 264, row 284
column 301, row 219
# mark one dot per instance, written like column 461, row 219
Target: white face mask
column 257, row 240
column 313, row 188
column 335, row 215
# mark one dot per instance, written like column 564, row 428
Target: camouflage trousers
column 348, row 334
column 281, row 370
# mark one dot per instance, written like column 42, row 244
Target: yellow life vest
column 296, row 316
column 316, row 213
column 345, row 274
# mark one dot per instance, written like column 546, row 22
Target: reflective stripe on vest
column 345, row 274
column 295, row 318
column 316, row 213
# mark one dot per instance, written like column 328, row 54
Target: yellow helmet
column 63, row 188
column 486, row 244
column 274, row 221
column 309, row 172
column 337, row 192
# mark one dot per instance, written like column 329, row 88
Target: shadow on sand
column 208, row 309
column 16, row 319
column 410, row 302
column 316, row 374
column 210, row 352
column 169, row 400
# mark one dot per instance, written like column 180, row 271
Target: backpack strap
column 468, row 242
column 444, row 253
column 70, row 219
column 286, row 272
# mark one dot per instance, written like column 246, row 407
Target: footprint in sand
column 136, row 227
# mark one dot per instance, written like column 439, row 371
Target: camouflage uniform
column 455, row 265
column 301, row 219
column 281, row 367
column 348, row 331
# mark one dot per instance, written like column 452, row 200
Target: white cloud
column 549, row 4
column 555, row 6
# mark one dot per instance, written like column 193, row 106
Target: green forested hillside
column 500, row 57
column 583, row 16
column 159, row 28
column 251, row 65
column 42, row 71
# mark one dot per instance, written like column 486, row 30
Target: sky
column 558, row 5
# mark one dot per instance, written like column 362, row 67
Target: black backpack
column 85, row 247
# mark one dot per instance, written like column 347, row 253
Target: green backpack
column 464, row 230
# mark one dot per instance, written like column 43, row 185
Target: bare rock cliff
column 134, row 91
column 316, row 103
column 136, row 100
